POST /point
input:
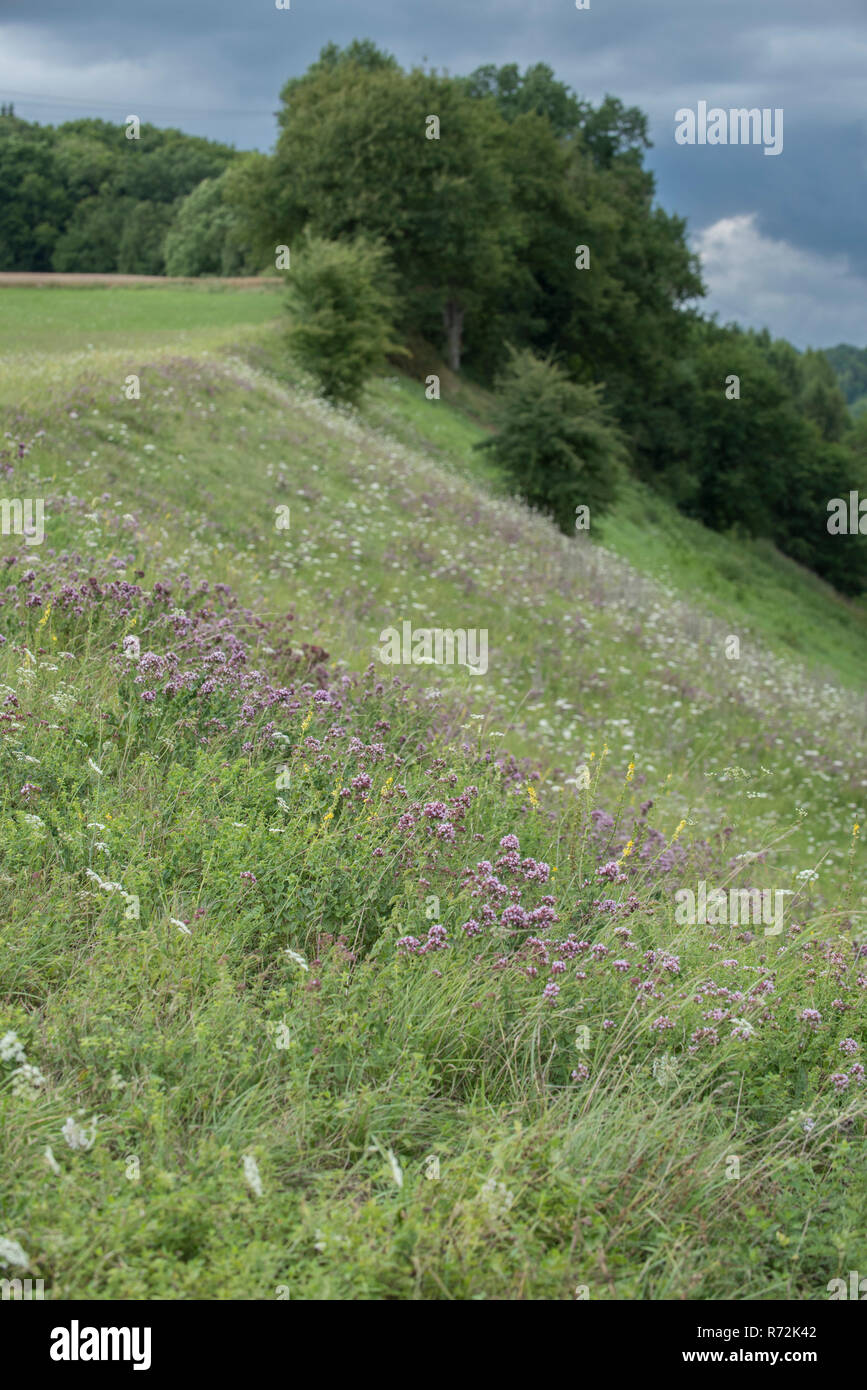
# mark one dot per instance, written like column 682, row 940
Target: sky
column 781, row 237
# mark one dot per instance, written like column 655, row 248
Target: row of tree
column 515, row 213
column 84, row 197
column 850, row 366
column 474, row 213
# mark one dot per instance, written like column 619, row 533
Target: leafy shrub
column 556, row 439
column 343, row 307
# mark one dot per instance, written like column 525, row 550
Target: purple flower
column 514, row 916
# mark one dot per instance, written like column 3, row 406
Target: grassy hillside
column 351, row 981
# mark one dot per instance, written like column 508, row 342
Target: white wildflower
column 252, row 1176
column 11, row 1049
column 181, row 925
column 91, row 763
column 76, row 1135
column 52, row 1162
column 741, row 1028
column 26, row 1081
column 296, row 959
column 396, row 1170
column 496, row 1197
column 664, row 1069
column 11, row 1253
column 63, row 698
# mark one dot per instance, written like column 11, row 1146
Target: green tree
column 342, row 302
column 206, row 236
column 91, row 241
column 353, row 156
column 556, row 440
column 822, row 400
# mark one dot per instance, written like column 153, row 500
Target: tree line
column 511, row 224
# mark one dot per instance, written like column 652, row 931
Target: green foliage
column 81, row 197
column 441, row 205
column 343, row 306
column 769, row 461
column 482, row 226
column 206, row 236
column 556, row 440
column 188, row 1051
column 850, row 365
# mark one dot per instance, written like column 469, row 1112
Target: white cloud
column 813, row 300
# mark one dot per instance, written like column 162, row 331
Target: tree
column 66, row 193
column 555, row 439
column 206, row 236
column 822, row 401
column 353, row 156
column 343, row 306
column 537, row 91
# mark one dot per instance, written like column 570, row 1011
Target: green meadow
column 323, row 978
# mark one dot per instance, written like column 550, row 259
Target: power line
column 125, row 106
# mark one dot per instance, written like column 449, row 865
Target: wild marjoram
column 76, row 1343
column 436, row 645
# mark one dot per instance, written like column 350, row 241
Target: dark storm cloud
column 201, row 63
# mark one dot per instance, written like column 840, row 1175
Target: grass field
column 322, row 978
column 60, row 320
